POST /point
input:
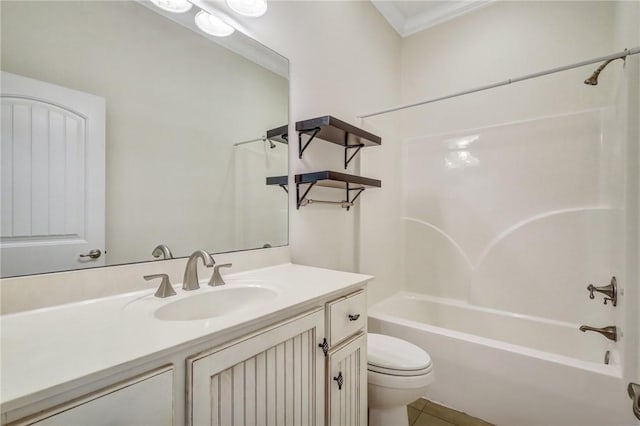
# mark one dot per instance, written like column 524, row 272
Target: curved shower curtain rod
column 623, row 54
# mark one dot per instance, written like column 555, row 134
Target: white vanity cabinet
column 346, row 373
column 268, row 378
column 272, row 366
column 281, row 375
column 144, row 400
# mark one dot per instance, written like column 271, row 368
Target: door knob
column 634, row 394
column 93, row 254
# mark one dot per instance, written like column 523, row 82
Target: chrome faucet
column 190, row 281
column 611, row 291
column 216, row 278
column 610, row 332
column 162, row 250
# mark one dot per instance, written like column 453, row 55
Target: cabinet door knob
column 339, row 380
column 354, row 317
column 324, row 346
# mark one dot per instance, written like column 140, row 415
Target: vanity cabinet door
column 273, row 377
column 144, row 400
column 347, row 383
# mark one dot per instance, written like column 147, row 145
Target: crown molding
column 408, row 26
column 391, row 13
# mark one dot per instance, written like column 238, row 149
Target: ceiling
column 410, row 17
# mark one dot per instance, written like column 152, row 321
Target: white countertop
column 45, row 349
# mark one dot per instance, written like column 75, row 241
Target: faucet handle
column 216, row 277
column 165, row 289
column 591, row 289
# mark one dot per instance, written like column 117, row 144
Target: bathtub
column 509, row 369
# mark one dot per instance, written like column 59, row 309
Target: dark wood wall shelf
column 281, row 181
column 330, row 129
column 350, row 183
column 279, row 134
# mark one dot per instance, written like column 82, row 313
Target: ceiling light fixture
column 251, row 8
column 175, row 6
column 213, row 25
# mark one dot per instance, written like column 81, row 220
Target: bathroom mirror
column 125, row 127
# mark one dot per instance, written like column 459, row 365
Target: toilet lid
column 388, row 354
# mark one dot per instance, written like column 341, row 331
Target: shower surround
column 519, row 217
column 503, row 227
column 507, row 214
column 502, row 206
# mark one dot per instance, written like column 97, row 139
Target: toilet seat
column 396, row 357
column 392, row 372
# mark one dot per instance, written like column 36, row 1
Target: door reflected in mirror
column 124, row 129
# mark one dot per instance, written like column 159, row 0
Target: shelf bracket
column 360, row 191
column 285, row 188
column 313, row 132
column 349, row 199
column 299, row 200
column 348, row 159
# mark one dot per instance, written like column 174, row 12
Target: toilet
column 398, row 373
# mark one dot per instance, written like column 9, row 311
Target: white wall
column 344, row 60
column 176, row 104
column 503, row 40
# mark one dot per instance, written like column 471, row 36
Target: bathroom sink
column 214, row 303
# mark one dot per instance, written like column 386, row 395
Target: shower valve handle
column 610, row 291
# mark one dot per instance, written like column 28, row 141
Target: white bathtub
column 505, row 368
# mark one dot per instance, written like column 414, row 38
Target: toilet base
column 386, row 416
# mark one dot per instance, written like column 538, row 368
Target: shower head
column 593, row 79
column 271, row 144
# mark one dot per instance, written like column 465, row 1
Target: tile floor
column 427, row 413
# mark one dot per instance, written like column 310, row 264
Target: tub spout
column 610, row 332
